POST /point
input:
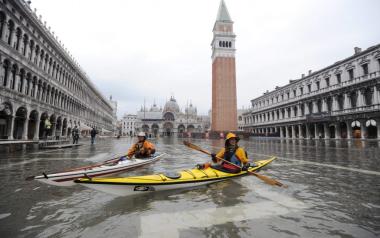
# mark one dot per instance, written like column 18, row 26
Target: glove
column 200, row 166
column 213, row 157
column 246, row 167
column 122, row 158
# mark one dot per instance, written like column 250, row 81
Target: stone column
column 307, row 131
column 294, row 132
column 288, row 132
column 25, row 129
column 327, row 130
column 349, row 129
column 360, row 102
column 23, row 84
column 282, row 132
column 316, row 136
column 337, row 131
column 10, row 128
column 17, row 80
column 53, row 128
column 307, row 109
column 8, row 76
column 335, row 103
column 300, row 135
column 324, row 105
column 299, row 110
column 3, row 32
column 35, row 90
column 346, row 103
column 378, row 128
column 37, row 130
column 376, row 95
column 363, row 129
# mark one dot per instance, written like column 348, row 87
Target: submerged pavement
column 334, row 191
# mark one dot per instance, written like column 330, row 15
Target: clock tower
column 224, row 105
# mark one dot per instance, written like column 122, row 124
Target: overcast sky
column 153, row 49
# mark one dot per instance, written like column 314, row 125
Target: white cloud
column 154, row 48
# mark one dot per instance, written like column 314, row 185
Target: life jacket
column 230, row 156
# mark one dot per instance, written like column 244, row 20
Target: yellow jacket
column 239, row 153
column 146, row 146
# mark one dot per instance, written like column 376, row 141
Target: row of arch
column 34, row 49
column 364, row 129
column 38, row 54
column 22, row 122
column 358, row 98
column 26, row 83
column 226, row 44
column 318, row 84
column 167, row 129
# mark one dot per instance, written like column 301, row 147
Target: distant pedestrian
column 93, row 135
column 75, row 135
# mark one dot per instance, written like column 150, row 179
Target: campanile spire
column 224, row 105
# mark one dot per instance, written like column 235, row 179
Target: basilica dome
column 171, row 106
column 154, row 108
column 191, row 110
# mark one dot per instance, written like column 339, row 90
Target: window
column 287, row 95
column 365, row 69
column 327, row 80
column 317, row 84
column 338, row 79
column 282, row 97
column 301, row 91
column 294, row 93
column 351, row 74
column 309, row 87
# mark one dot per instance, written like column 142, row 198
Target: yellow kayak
column 126, row 186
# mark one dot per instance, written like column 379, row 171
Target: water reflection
column 340, row 202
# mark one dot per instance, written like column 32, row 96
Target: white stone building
column 128, row 125
column 40, row 81
column 339, row 101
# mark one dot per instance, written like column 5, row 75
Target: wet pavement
column 334, row 191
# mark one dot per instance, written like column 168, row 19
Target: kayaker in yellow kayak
column 142, row 148
column 232, row 153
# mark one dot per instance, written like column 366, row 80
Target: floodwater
column 334, row 191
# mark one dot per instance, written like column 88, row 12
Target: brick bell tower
column 224, row 105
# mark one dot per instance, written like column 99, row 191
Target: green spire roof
column 223, row 14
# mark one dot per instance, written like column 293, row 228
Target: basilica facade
column 170, row 120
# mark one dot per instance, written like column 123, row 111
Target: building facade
column 40, row 83
column 339, row 101
column 170, row 120
column 128, row 125
column 224, row 104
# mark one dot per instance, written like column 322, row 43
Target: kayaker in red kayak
column 141, row 149
column 232, row 153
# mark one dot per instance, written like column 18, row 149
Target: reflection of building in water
column 339, row 101
column 170, row 120
column 43, row 91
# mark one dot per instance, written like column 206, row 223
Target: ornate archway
column 19, row 126
column 33, row 122
column 168, row 129
column 5, row 120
